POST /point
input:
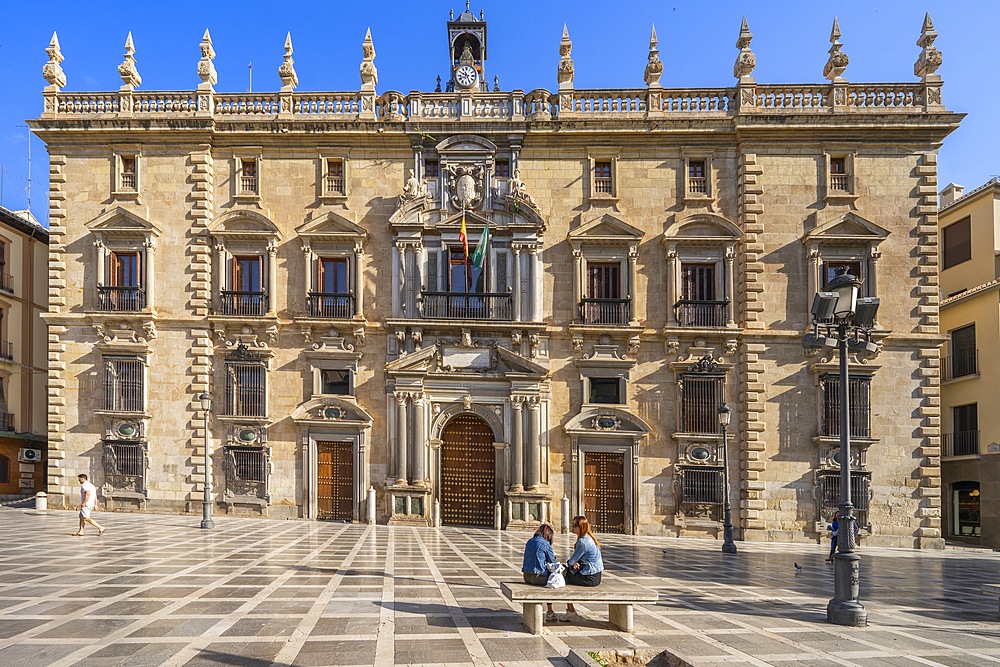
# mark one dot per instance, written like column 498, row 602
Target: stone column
column 673, row 280
column 222, row 258
column 359, row 281
column 400, row 437
column 272, row 277
column 633, row 254
column 536, row 286
column 149, row 283
column 516, row 444
column 101, row 250
column 731, row 284
column 307, row 274
column 533, row 445
column 516, row 251
column 419, row 451
column 577, row 285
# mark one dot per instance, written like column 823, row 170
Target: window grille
column 700, row 401
column 246, row 471
column 123, row 384
column 246, row 389
column 703, row 486
column 125, row 465
column 859, row 393
column 860, row 492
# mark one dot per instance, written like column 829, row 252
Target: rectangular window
column 247, row 178
column 246, row 465
column 838, row 174
column 701, row 397
column 128, row 178
column 463, row 277
column 124, row 269
column 605, row 390
column 246, row 389
column 335, row 382
column 129, row 458
column 697, row 179
column 964, row 440
column 246, row 274
column 123, row 293
column 832, row 269
column 604, row 280
column 963, row 353
column 123, row 384
column 332, row 275
column 829, row 483
column 603, row 183
column 503, row 168
column 432, row 169
column 602, row 302
column 698, row 282
column 703, row 486
column 957, row 243
column 6, row 279
column 335, row 176
column 859, row 402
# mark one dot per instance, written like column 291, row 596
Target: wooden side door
column 604, row 491
column 335, row 480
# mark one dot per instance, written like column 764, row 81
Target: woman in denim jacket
column 585, row 565
column 538, row 555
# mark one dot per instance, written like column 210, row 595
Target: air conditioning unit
column 27, row 455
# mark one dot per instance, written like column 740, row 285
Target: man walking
column 88, row 501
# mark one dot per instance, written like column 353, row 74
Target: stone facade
column 652, row 254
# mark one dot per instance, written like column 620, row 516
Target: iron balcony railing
column 121, row 299
column 253, row 304
column 6, row 350
column 6, row 283
column 331, row 304
column 606, row 311
column 466, row 306
column 961, row 364
column 695, row 313
column 703, row 486
column 961, row 443
column 6, row 421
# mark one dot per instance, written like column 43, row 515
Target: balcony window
column 6, row 279
column 247, row 296
column 834, row 268
column 603, row 303
column 964, row 437
column 603, row 178
column 124, row 292
column 838, row 174
column 859, row 401
column 697, row 177
column 334, row 297
column 246, row 389
column 963, row 359
column 698, row 305
column 605, row 390
column 701, row 397
column 124, row 379
column 334, row 177
column 957, row 243
column 129, row 180
column 466, row 294
column 247, row 182
column 829, row 488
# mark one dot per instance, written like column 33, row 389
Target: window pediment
column 847, row 229
column 123, row 224
column 446, row 358
column 605, row 230
column 702, row 228
column 470, row 145
column 331, row 228
column 245, row 225
column 332, row 411
column 607, row 422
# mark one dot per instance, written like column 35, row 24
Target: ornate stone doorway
column 335, row 480
column 604, row 491
column 468, row 472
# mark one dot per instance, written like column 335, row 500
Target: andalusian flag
column 463, row 236
column 479, row 256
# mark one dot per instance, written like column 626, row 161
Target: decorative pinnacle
column 746, row 60
column 930, row 58
column 654, row 68
column 206, row 68
column 369, row 73
column 838, row 60
column 127, row 71
column 52, row 71
column 289, row 79
column 566, row 71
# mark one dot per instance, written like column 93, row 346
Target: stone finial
column 930, row 57
column 654, row 68
column 52, row 71
column 566, row 71
column 838, row 60
column 746, row 60
column 127, row 71
column 206, row 68
column 289, row 79
column 369, row 73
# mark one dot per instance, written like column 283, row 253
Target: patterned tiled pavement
column 157, row 590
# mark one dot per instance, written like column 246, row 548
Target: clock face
column 466, row 76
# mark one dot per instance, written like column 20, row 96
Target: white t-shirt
column 84, row 488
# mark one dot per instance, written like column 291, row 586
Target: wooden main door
column 335, row 480
column 468, row 472
column 604, row 491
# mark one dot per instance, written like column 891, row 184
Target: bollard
column 437, row 513
column 497, row 516
column 41, row 501
column 371, row 505
column 564, row 519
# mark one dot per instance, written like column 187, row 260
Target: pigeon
column 797, row 566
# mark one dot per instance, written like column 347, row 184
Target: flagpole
column 468, row 271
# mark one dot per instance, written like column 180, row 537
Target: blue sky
column 610, row 43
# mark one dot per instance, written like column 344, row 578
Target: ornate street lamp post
column 206, row 508
column 842, row 320
column 728, row 546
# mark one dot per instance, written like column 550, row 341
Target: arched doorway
column 468, row 472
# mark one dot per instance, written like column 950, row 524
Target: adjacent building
column 23, row 353
column 478, row 306
column 970, row 365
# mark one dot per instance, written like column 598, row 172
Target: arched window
column 965, row 513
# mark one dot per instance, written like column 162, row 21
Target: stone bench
column 990, row 589
column 619, row 597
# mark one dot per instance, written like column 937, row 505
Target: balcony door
column 333, row 297
column 603, row 302
column 247, row 297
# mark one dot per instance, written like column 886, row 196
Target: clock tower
column 467, row 48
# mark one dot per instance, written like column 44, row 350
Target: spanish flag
column 464, row 238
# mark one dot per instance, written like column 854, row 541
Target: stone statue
column 414, row 189
column 516, row 189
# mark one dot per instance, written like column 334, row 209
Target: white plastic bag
column 556, row 578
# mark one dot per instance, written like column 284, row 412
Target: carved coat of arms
column 466, row 185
